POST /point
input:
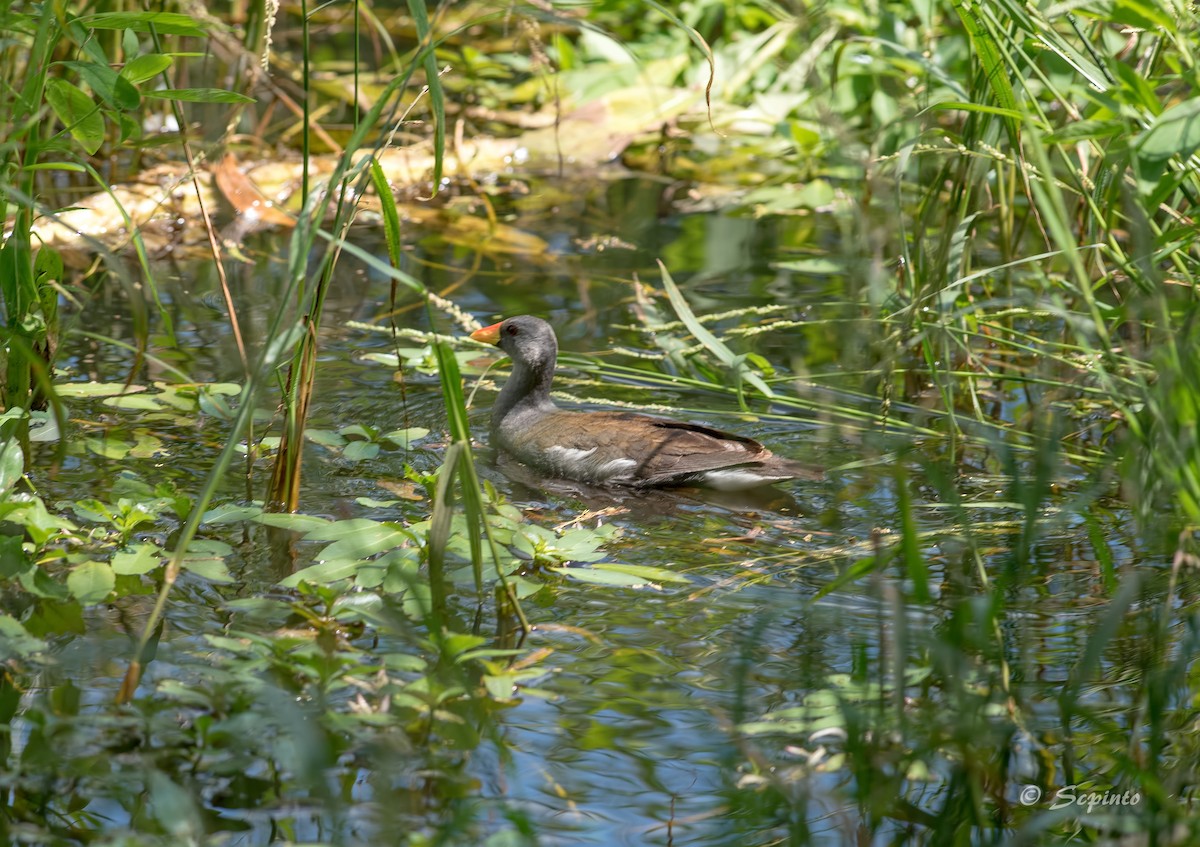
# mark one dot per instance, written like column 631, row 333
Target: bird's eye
column 513, row 329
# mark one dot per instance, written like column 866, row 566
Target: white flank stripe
column 615, row 468
column 570, row 454
column 735, row 479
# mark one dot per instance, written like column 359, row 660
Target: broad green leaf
column 12, row 464
column 645, row 572
column 358, row 430
column 601, row 575
column 147, row 447
column 357, row 451
column 214, row 570
column 13, row 558
column 138, row 559
column 15, row 641
column 403, row 438
column 38, row 583
column 294, row 522
column 91, row 582
column 174, row 808
column 78, row 113
column 96, row 389
column 114, row 89
column 231, row 513
column 325, row 437
column 109, row 448
column 365, row 544
column 208, row 547
column 1176, row 132
column 138, row 402
column 323, row 573
column 142, row 68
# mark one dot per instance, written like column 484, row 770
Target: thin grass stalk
column 285, row 479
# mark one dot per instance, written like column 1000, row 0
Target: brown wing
column 660, row 450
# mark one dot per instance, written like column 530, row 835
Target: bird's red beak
column 489, row 334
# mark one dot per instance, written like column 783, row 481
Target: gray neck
column 525, row 390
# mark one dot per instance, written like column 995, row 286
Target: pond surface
column 647, row 721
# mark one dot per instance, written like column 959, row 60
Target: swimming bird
column 613, row 448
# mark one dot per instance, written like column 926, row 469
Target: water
column 627, row 732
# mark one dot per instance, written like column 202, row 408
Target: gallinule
column 612, row 448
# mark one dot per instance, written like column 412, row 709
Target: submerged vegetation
column 258, row 583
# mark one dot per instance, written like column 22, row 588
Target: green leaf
column 294, row 522
column 324, row 573
column 138, row 559
column 12, row 464
column 975, row 21
column 357, row 451
column 15, row 641
column 325, row 437
column 141, row 68
column 644, row 572
column 1176, row 132
column 200, row 95
column 109, row 448
column 623, row 576
column 114, row 89
column 214, row 570
column 13, row 558
column 231, row 513
column 164, row 23
column 77, row 112
column 91, row 582
column 96, row 389
column 402, row 439
column 137, row 402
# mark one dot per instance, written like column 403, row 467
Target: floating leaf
column 139, row 402
column 358, row 431
column 109, row 448
column 214, row 570
column 231, row 513
column 368, row 542
column 91, row 582
column 147, row 447
column 294, row 522
column 403, row 438
column 323, row 573
column 96, row 389
column 645, row 572
column 624, row 576
column 136, row 560
column 325, row 437
column 357, row 451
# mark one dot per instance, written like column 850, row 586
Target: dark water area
column 628, row 735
